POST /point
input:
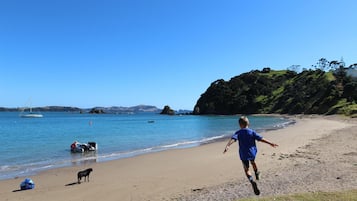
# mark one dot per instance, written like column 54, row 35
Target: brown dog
column 85, row 174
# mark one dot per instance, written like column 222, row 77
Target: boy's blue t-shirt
column 246, row 138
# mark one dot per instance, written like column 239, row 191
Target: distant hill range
column 114, row 109
column 44, row 109
column 125, row 110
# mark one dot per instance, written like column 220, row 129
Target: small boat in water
column 31, row 115
column 77, row 147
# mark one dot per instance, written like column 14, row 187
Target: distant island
column 125, row 110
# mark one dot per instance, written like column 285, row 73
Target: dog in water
column 85, row 174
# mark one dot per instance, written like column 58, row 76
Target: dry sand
column 315, row 154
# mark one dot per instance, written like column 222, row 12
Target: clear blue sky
column 89, row 53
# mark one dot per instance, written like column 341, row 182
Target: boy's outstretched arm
column 270, row 143
column 231, row 141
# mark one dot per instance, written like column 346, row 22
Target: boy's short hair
column 244, row 121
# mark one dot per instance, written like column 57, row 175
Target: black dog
column 85, row 174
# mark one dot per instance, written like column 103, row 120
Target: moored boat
column 77, row 147
column 31, row 115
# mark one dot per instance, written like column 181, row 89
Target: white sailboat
column 30, row 114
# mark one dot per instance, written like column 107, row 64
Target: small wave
column 193, row 142
column 126, row 154
column 285, row 124
column 13, row 171
column 4, row 168
column 281, row 125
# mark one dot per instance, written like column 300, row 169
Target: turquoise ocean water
column 30, row 145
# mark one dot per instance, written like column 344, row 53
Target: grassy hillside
column 287, row 92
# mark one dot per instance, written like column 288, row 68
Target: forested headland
column 329, row 87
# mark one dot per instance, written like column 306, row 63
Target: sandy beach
column 317, row 153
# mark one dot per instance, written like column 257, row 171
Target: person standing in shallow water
column 247, row 149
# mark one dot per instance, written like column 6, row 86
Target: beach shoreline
column 188, row 174
column 160, row 136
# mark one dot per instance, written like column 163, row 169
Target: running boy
column 247, row 149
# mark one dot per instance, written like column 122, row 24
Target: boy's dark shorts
column 246, row 163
